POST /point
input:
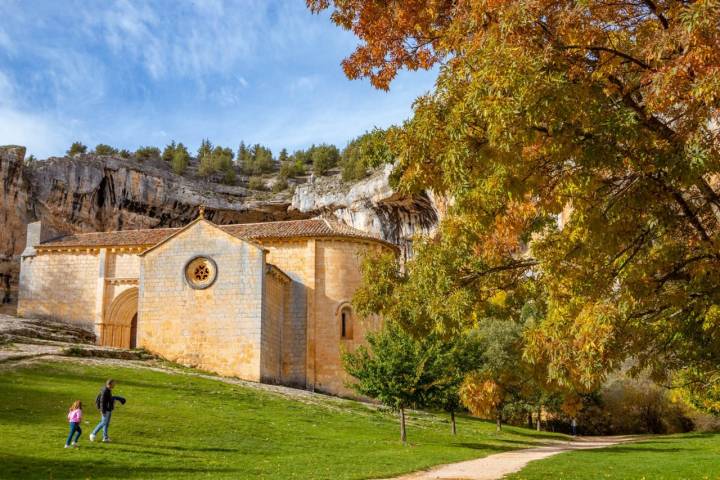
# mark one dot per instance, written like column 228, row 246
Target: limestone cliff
column 98, row 193
column 371, row 205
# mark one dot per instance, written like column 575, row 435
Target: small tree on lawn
column 460, row 356
column 396, row 369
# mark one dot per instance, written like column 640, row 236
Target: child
column 105, row 402
column 74, row 417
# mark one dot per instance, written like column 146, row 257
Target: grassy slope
column 177, row 426
column 689, row 456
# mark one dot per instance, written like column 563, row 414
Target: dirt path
column 497, row 466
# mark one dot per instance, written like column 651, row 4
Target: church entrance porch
column 119, row 328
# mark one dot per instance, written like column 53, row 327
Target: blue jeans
column 74, row 428
column 104, row 424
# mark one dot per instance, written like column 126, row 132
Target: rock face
column 100, row 193
column 13, row 219
column 373, row 206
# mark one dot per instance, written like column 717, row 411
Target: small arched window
column 346, row 323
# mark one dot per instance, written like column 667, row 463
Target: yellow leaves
column 499, row 298
column 480, row 394
column 712, row 318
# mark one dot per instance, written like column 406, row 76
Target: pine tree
column 180, row 159
column 102, row 149
column 169, row 152
column 205, row 158
column 76, row 148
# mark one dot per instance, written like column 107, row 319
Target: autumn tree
column 580, row 144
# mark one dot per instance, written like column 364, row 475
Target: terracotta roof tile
column 249, row 231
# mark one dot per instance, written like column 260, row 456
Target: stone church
column 266, row 302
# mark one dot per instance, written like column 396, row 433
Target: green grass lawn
column 179, row 426
column 676, row 457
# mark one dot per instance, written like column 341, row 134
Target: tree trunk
column 452, row 422
column 539, row 414
column 498, row 420
column 530, row 422
column 403, row 434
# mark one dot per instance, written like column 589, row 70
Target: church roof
column 313, row 228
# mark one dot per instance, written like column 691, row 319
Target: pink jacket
column 75, row 416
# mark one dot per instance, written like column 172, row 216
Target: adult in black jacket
column 106, row 404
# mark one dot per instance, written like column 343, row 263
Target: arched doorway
column 120, row 326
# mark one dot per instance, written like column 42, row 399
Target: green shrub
column 180, row 159
column 76, row 148
column 369, row 150
column 256, row 183
column 102, row 149
column 292, row 168
column 324, row 157
column 280, row 185
column 256, row 159
column 147, row 153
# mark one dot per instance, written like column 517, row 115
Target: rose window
column 200, row 272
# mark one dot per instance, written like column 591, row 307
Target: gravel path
column 497, row 466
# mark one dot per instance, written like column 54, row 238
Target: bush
column 292, row 168
column 76, row 148
column 256, row 159
column 147, row 153
column 324, row 157
column 280, row 185
column 125, row 153
column 256, row 183
column 169, row 151
column 369, row 150
column 180, row 159
column 216, row 160
column 102, row 149
column 626, row 405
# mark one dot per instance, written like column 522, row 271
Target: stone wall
column 294, row 258
column 218, row 328
column 123, row 265
column 61, row 286
column 338, row 277
column 274, row 308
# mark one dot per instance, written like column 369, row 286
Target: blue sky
column 131, row 73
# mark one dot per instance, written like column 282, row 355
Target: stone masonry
column 265, row 303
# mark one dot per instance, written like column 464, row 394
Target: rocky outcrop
column 14, row 201
column 99, row 193
column 371, row 205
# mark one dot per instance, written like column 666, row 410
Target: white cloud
column 41, row 136
column 305, row 82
